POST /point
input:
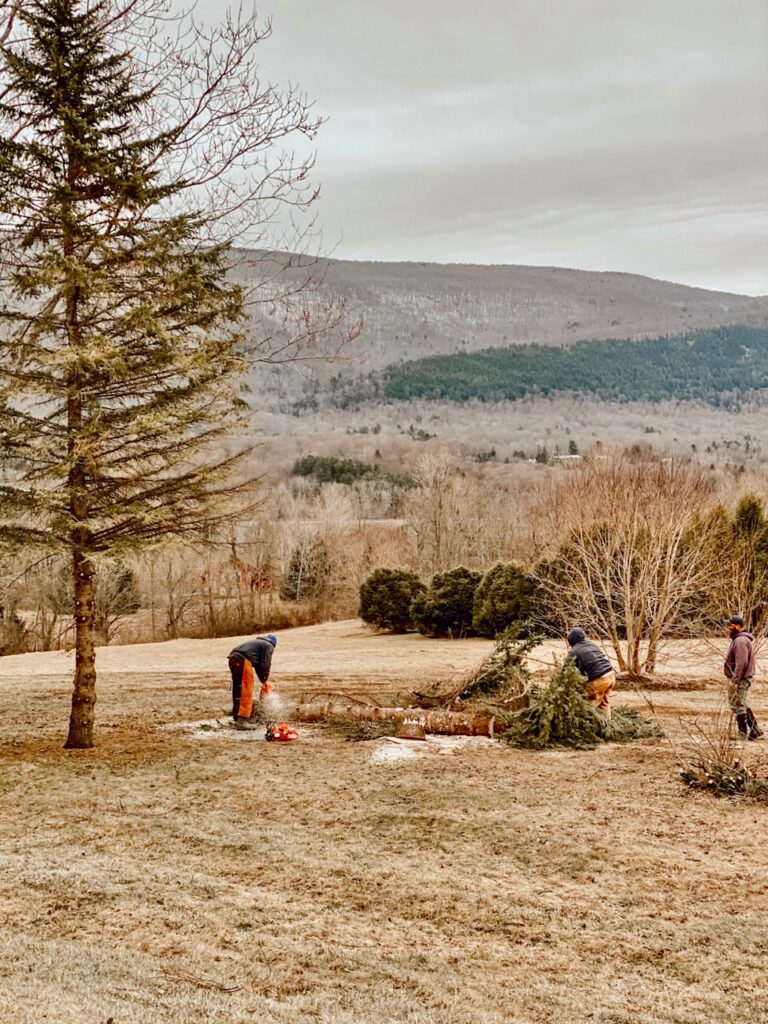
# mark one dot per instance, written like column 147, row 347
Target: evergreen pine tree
column 121, row 341
column 503, row 597
column 309, row 571
column 386, row 597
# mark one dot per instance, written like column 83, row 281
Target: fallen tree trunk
column 445, row 723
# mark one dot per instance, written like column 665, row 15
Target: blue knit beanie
column 272, row 639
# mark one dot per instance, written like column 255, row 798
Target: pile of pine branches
column 559, row 715
column 500, row 681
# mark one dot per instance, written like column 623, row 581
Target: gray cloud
column 578, row 132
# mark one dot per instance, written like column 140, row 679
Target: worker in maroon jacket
column 739, row 671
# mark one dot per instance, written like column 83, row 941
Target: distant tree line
column 715, row 366
column 335, row 469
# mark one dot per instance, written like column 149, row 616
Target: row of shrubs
column 456, row 603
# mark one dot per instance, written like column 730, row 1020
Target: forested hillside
column 414, row 310
column 716, row 366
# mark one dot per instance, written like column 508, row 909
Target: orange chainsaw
column 280, row 733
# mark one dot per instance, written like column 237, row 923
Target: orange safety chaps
column 248, row 681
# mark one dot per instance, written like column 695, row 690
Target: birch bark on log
column 445, row 723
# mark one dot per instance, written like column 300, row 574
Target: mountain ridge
column 412, row 310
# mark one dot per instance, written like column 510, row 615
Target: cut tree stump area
column 157, row 877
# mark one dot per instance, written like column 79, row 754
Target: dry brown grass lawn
column 162, row 878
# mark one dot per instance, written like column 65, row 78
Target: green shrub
column 505, row 596
column 386, row 597
column 445, row 609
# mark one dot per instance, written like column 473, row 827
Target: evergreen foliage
column 503, row 674
column 121, row 339
column 445, row 608
column 559, row 715
column 504, row 596
column 749, row 522
column 747, row 550
column 339, row 470
column 716, row 366
column 309, row 571
column 739, row 547
column 386, row 597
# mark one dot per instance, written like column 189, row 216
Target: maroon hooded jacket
column 740, row 659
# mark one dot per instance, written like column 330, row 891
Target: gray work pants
column 737, row 696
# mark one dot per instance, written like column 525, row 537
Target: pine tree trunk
column 81, row 717
column 80, row 736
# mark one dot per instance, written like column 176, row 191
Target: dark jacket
column 590, row 659
column 740, row 659
column 259, row 653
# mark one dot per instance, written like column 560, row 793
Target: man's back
column 590, row 660
column 259, row 652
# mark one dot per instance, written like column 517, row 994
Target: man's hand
column 266, row 689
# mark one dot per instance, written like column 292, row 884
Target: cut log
column 444, row 723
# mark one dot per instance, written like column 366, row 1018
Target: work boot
column 244, row 725
column 755, row 732
column 742, row 724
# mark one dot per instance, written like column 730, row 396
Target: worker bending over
column 248, row 661
column 592, row 662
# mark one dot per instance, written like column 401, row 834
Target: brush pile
column 559, row 715
column 501, row 679
column 502, row 676
column 725, row 779
column 710, row 762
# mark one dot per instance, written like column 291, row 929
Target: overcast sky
column 601, row 134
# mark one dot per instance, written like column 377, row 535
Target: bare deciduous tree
column 457, row 519
column 633, row 559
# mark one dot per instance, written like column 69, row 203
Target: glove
column 266, row 688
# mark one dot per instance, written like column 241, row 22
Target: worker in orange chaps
column 250, row 661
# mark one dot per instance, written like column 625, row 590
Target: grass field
column 162, row 878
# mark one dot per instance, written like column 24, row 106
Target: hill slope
column 717, row 366
column 420, row 309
